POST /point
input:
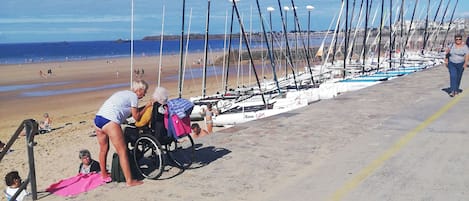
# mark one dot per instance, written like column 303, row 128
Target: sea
column 22, row 53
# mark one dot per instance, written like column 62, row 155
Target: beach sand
column 72, row 114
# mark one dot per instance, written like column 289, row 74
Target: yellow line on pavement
column 375, row 164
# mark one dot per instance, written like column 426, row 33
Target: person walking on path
column 457, row 57
column 108, row 121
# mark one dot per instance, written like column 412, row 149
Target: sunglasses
column 458, row 39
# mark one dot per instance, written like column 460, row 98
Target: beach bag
column 176, row 126
column 117, row 174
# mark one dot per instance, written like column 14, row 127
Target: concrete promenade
column 403, row 139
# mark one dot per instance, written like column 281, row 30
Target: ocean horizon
column 43, row 52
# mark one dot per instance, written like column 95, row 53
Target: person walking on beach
column 112, row 113
column 457, row 56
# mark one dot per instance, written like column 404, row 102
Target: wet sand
column 72, row 113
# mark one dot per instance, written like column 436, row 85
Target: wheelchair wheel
column 182, row 151
column 149, row 156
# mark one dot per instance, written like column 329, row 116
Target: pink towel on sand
column 76, row 185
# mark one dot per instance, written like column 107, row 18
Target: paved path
column 404, row 139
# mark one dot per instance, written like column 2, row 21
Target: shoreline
column 72, row 114
column 66, row 108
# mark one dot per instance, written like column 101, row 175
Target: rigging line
column 412, row 42
column 161, row 46
column 334, row 37
column 240, row 49
column 449, row 25
column 359, row 21
column 287, row 46
column 394, row 33
column 303, row 42
column 269, row 50
column 434, row 20
column 373, row 44
column 410, row 26
column 321, row 48
column 426, row 28
column 187, row 51
column 441, row 22
column 249, row 52
column 212, row 63
column 224, row 49
column 229, row 50
column 350, row 21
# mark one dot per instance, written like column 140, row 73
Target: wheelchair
column 152, row 148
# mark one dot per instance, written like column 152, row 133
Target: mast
column 380, row 33
column 271, row 56
column 249, row 52
column 441, row 22
column 449, row 25
column 161, row 47
column 366, row 34
column 187, row 50
column 297, row 24
column 131, row 43
column 336, row 34
column 181, row 51
column 425, row 33
column 391, row 45
column 352, row 45
column 401, row 18
column 287, row 46
column 224, row 49
column 434, row 20
column 410, row 26
column 204, row 70
column 346, row 38
column 229, row 50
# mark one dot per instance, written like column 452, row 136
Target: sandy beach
column 72, row 114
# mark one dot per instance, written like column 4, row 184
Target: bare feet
column 105, row 174
column 134, row 183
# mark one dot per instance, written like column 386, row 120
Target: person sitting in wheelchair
column 152, row 121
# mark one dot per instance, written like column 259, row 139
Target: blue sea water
column 19, row 53
column 71, row 51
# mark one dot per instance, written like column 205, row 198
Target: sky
column 90, row 20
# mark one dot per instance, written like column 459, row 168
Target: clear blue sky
column 88, row 20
